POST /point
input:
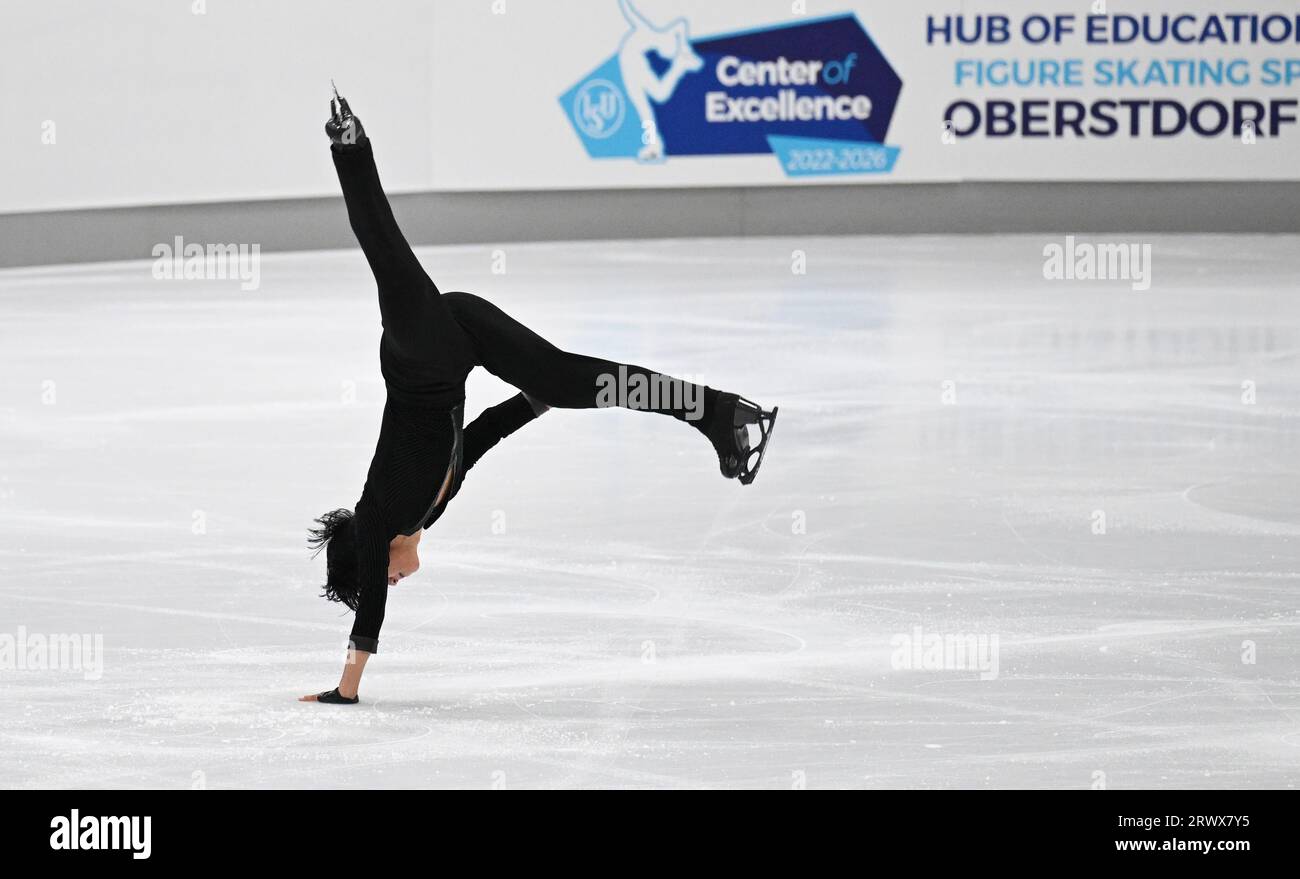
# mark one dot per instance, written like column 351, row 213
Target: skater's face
column 403, row 561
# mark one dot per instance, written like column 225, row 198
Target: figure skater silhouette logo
column 671, row 43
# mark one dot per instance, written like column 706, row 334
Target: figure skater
column 429, row 344
column 643, row 85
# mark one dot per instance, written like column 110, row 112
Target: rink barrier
column 77, row 236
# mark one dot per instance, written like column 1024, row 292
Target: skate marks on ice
column 620, row 616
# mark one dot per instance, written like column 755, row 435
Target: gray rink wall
column 75, row 236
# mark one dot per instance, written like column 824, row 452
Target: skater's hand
column 349, row 683
column 331, row 697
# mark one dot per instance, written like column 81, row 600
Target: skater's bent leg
column 520, row 357
column 516, row 354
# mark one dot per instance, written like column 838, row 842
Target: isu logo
column 599, row 108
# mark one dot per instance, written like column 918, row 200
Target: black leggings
column 432, row 340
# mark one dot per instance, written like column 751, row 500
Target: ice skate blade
column 767, row 426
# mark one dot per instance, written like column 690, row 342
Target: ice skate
column 343, row 127
column 729, row 433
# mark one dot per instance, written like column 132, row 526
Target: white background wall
column 154, row 104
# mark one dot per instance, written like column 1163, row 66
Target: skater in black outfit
column 430, row 342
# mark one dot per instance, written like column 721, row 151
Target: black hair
column 337, row 535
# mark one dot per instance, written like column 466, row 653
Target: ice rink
column 1104, row 480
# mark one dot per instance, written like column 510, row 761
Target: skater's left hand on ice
column 331, row 697
column 350, row 682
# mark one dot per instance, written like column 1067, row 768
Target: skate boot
column 729, row 433
column 343, row 128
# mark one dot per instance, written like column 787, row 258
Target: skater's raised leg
column 425, row 344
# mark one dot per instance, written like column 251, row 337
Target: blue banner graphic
column 816, row 94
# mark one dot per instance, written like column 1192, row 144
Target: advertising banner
column 673, row 93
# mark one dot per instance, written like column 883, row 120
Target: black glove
column 334, row 698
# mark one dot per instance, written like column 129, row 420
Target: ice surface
column 638, row 620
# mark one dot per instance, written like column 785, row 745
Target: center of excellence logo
column 816, row 94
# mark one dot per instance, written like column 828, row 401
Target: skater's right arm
column 372, row 571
